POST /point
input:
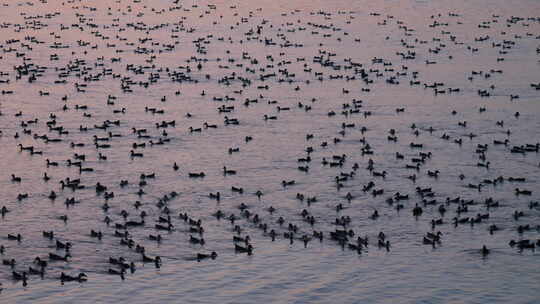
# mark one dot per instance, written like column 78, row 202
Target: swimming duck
column 237, row 190
column 417, row 210
column 155, row 238
column 117, row 272
column 46, row 177
column 433, row 173
column 147, row 259
column 381, row 174
column 20, row 277
column 48, row 234
column 522, row 192
column 434, row 236
column 55, row 257
column 81, row 277
column 428, row 241
column 196, row 175
column 40, row 272
column 134, row 223
column 14, row 237
column 169, row 227
column 202, row 256
column 11, row 262
column 241, row 239
column 228, row 172
column 96, row 234
column 384, row 244
column 60, row 245
column 133, row 154
column 484, row 250
column 40, row 262
column 287, row 183
column 195, row 240
column 100, row 188
column 3, row 211
column 248, row 249
column 522, row 244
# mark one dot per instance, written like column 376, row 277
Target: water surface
column 223, row 37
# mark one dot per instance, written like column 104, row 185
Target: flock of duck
column 93, row 148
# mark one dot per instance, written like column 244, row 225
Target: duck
column 384, row 244
column 428, row 241
column 52, row 195
column 40, row 262
column 241, row 239
column 20, row 277
column 48, row 234
column 212, row 126
column 60, row 245
column 434, row 236
column 155, row 238
column 216, row 196
column 3, row 211
column 415, row 167
column 194, row 240
column 117, row 272
column 11, row 262
column 362, row 241
column 287, row 183
column 164, row 220
column 522, row 192
column 381, row 174
column 133, row 154
column 196, row 175
column 237, row 189
column 267, row 117
column 27, row 148
column 169, row 227
column 199, row 230
column 433, row 173
column 228, row 172
column 306, row 239
column 40, row 272
column 127, row 242
column 522, row 244
column 134, row 223
column 100, row 188
column 202, row 256
column 55, row 257
column 248, row 249
column 13, row 237
column 81, row 277
column 117, row 261
column 96, row 234
column 147, row 259
column 50, row 163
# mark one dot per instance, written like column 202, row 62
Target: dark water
column 142, row 35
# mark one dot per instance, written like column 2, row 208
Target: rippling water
column 278, row 271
